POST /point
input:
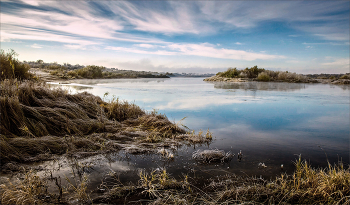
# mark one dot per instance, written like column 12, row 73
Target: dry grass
column 79, row 190
column 37, row 120
column 306, row 186
column 31, row 190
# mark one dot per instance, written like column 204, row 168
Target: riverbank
column 38, row 122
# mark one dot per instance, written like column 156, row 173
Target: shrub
column 230, row 73
column 253, row 72
column 345, row 77
column 91, row 71
column 263, row 77
column 11, row 68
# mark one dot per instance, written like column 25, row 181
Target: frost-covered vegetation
column 68, row 71
column 260, row 74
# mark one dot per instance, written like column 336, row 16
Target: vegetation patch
column 38, row 122
column 259, row 74
column 307, row 185
column 12, row 68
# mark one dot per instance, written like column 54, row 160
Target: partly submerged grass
column 31, row 190
column 37, row 120
column 306, row 185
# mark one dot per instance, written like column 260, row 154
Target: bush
column 263, row 77
column 91, row 71
column 345, row 77
column 253, row 72
column 230, row 73
column 11, row 68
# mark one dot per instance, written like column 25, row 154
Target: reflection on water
column 106, row 81
column 271, row 123
column 259, row 86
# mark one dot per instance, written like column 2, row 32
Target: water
column 272, row 123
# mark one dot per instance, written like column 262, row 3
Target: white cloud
column 36, row 46
column 208, row 50
column 143, row 45
column 74, row 46
column 9, row 32
column 238, row 43
column 294, row 36
column 135, row 50
column 338, row 62
column 203, row 50
column 31, row 2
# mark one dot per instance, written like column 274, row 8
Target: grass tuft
column 31, row 190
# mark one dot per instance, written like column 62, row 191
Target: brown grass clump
column 33, row 109
column 307, row 185
column 37, row 120
column 159, row 123
column 122, row 110
column 31, row 190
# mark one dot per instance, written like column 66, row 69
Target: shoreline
column 216, row 78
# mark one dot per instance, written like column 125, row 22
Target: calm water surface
column 271, row 123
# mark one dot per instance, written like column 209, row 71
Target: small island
column 260, row 74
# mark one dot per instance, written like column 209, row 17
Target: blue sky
column 181, row 36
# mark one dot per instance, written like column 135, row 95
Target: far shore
column 235, row 80
column 260, row 74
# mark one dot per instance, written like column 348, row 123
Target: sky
column 181, row 36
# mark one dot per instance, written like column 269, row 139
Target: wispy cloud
column 294, row 36
column 139, row 51
column 338, row 62
column 209, row 50
column 144, row 45
column 203, row 50
column 36, row 46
